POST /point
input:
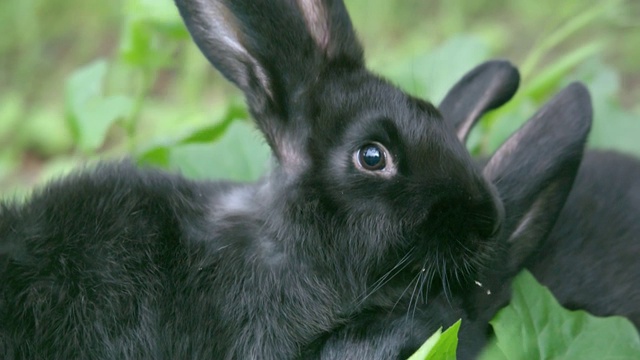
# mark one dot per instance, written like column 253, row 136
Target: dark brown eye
column 372, row 157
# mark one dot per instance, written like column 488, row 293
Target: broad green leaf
column 458, row 55
column 425, row 349
column 445, row 348
column 535, row 326
column 158, row 156
column 240, row 154
column 157, row 153
column 424, row 76
column 440, row 345
column 213, row 132
column 90, row 113
column 86, row 83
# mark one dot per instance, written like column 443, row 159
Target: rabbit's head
column 370, row 182
column 533, row 171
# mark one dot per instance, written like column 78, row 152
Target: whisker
column 404, row 292
column 401, row 265
column 422, row 293
column 445, row 282
column 413, row 296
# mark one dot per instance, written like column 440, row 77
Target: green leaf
column 213, row 132
column 240, row 154
column 423, row 76
column 146, row 21
column 440, row 345
column 427, row 347
column 458, row 55
column 90, row 113
column 156, row 156
column 535, row 326
column 158, row 152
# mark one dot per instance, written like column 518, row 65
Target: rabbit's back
column 86, row 263
column 591, row 258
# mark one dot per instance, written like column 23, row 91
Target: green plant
column 535, row 326
column 136, row 85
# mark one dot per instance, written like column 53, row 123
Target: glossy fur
column 320, row 258
column 117, row 262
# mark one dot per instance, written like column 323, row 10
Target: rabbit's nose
column 481, row 214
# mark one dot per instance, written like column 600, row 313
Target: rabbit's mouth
column 459, row 258
column 458, row 244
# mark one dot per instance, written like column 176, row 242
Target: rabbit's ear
column 484, row 88
column 534, row 170
column 272, row 50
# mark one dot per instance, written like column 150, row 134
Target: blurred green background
column 82, row 80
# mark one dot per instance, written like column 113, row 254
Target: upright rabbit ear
column 534, row 170
column 486, row 87
column 271, row 49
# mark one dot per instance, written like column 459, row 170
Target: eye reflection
column 372, row 156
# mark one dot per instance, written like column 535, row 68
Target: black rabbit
column 533, row 170
column 586, row 254
column 372, row 191
column 120, row 262
column 586, row 249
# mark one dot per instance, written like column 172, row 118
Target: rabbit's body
column 95, row 265
column 121, row 263
column 590, row 260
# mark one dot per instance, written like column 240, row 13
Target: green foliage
column 135, row 85
column 535, row 326
column 91, row 113
column 440, row 346
column 246, row 161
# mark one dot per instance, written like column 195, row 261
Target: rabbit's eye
column 372, row 157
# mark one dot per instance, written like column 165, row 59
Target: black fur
column 533, row 173
column 121, row 262
column 590, row 259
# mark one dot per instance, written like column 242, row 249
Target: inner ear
column 317, row 21
column 484, row 88
column 328, row 23
column 534, row 169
